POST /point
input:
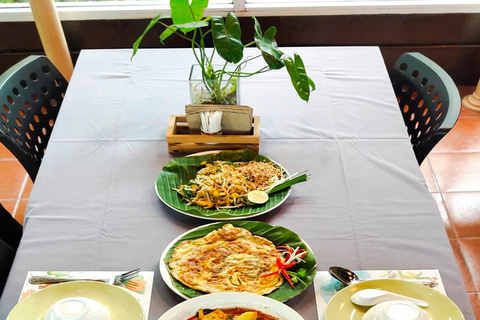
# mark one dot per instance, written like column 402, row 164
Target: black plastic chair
column 10, row 235
column 31, row 93
column 428, row 99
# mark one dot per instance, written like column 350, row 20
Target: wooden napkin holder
column 180, row 140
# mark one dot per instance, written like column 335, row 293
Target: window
column 18, row 10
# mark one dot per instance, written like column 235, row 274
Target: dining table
column 366, row 205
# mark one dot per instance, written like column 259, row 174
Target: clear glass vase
column 209, row 90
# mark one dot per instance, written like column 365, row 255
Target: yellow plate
column 441, row 307
column 121, row 304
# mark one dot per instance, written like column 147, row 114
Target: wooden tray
column 181, row 141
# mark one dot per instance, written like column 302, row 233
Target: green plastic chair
column 31, row 93
column 428, row 99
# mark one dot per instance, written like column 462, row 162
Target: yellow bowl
column 441, row 307
column 120, row 304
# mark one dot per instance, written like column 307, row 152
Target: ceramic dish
column 395, row 309
column 273, row 233
column 441, row 307
column 78, row 308
column 189, row 308
column 120, row 304
column 186, row 168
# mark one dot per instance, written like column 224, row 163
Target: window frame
column 113, row 10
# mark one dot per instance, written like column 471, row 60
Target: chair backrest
column 428, row 99
column 31, row 93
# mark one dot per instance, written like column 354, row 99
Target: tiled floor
column 16, row 185
column 452, row 173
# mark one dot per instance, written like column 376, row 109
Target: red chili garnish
column 285, row 274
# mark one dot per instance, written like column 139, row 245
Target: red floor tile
column 9, row 205
column 475, row 302
column 429, row 177
column 27, row 189
column 5, row 153
column 443, row 213
column 464, row 212
column 464, row 137
column 456, row 172
column 12, row 176
column 470, row 249
column 467, row 113
column 20, row 213
column 464, row 270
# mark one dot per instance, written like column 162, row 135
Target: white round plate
column 189, row 308
column 213, row 218
column 167, row 278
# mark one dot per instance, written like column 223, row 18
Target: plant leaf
column 183, row 12
column 152, row 23
column 227, row 37
column 278, row 235
column 311, row 83
column 167, row 32
column 181, row 170
column 268, row 46
column 298, row 75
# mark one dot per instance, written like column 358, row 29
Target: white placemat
column 141, row 288
column 326, row 286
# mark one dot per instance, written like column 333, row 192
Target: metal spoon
column 349, row 277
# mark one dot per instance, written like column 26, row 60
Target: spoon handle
column 418, row 302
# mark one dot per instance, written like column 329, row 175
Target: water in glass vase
column 212, row 86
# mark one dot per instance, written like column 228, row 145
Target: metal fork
column 118, row 279
column 124, row 277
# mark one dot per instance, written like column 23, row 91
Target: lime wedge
column 257, row 197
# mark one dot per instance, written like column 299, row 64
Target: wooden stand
column 472, row 101
column 180, row 140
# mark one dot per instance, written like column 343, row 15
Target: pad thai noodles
column 225, row 184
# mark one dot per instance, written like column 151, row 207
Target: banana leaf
column 278, row 235
column 180, row 170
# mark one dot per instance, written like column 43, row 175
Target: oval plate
column 441, row 307
column 181, row 170
column 227, row 300
column 121, row 304
column 256, row 228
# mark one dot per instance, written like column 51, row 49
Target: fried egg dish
column 227, row 259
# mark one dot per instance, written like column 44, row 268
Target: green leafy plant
column 221, row 83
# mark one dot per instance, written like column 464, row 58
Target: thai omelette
column 228, row 259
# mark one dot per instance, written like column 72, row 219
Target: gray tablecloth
column 93, row 206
